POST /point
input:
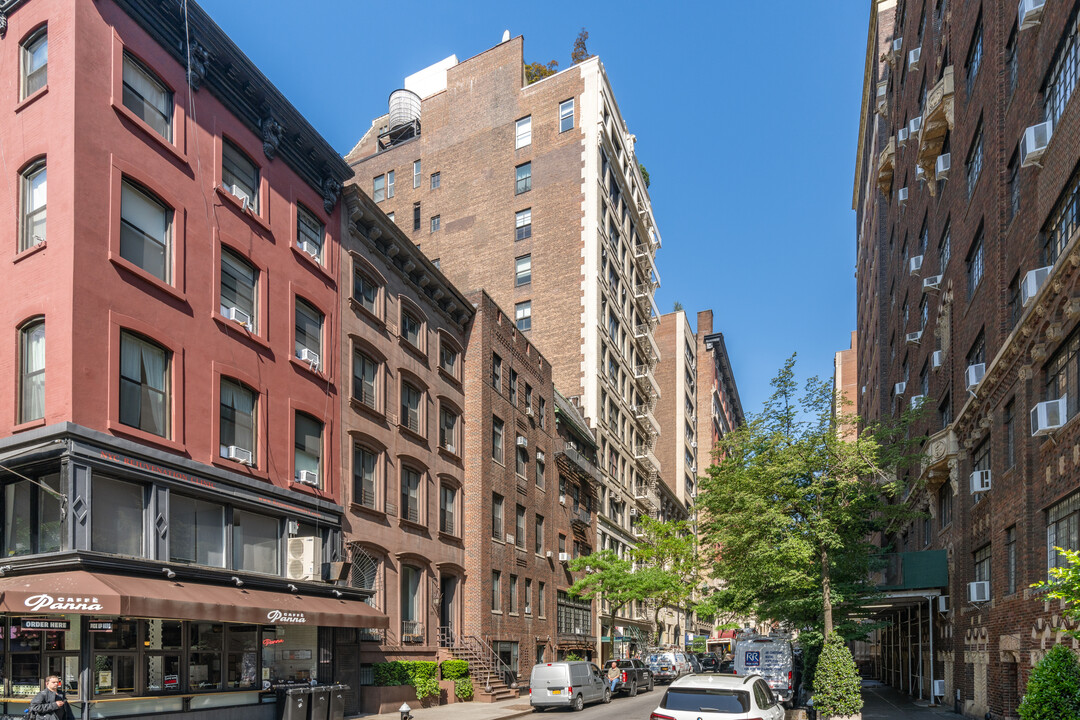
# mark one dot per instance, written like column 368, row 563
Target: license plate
column 664, row 668
column 556, row 692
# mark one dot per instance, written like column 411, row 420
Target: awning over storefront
column 86, row 593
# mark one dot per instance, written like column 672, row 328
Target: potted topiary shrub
column 837, row 687
column 1053, row 690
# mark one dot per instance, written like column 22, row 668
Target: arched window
column 32, row 371
column 32, row 209
column 144, row 384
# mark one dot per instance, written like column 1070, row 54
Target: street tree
column 793, row 500
column 611, row 578
column 667, row 565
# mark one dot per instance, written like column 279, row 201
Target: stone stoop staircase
column 485, row 667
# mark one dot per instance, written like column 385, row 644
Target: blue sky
column 746, row 115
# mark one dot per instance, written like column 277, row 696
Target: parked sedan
column 719, row 697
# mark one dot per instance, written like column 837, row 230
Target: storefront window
column 289, row 654
column 162, row 667
column 24, row 646
column 113, row 671
column 204, row 663
column 116, row 516
column 242, row 657
column 31, row 517
column 256, row 542
column 197, row 531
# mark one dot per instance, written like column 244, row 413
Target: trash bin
column 293, row 702
column 320, row 702
column 337, row 702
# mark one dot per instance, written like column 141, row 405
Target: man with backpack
column 50, row 703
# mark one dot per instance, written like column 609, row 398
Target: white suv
column 719, row 697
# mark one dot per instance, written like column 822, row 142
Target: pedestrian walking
column 613, row 675
column 51, row 703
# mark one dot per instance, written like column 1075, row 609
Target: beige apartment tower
column 533, row 192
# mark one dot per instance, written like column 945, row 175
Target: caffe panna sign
column 47, row 603
column 283, row 617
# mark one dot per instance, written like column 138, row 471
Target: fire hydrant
column 405, row 711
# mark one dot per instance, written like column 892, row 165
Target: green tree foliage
column 1064, row 583
column 579, row 53
column 837, row 691
column 793, row 501
column 538, row 71
column 1053, row 690
column 609, row 576
column 676, row 307
column 667, row 567
column 644, row 174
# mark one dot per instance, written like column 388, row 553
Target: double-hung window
column 1063, row 75
column 239, row 296
column 523, row 270
column 309, row 322
column 410, row 407
column 145, row 231
column 497, row 516
column 416, row 173
column 980, row 463
column 448, row 358
column 522, row 464
column 982, row 564
column 523, row 178
column 365, row 374
column 974, row 162
column 1062, row 372
column 365, row 291
column 32, row 202
column 448, row 422
column 975, row 266
column 410, row 495
column 147, row 97
column 410, row 329
column 523, row 224
column 35, row 63
column 309, row 233
column 390, row 184
column 364, row 476
column 974, row 59
column 144, row 385
column 1062, row 530
column 519, row 527
column 523, row 315
column 447, row 502
column 238, row 421
column 240, row 174
column 497, row 432
column 378, row 188
column 566, row 115
column 32, row 371
column 523, row 132
column 436, row 180
column 307, row 454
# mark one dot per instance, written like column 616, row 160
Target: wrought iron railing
column 412, row 631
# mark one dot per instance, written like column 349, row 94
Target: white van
column 569, row 684
column 768, row 656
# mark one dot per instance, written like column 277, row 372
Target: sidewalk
column 512, row 708
column 881, row 702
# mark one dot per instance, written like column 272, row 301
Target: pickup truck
column 635, row 676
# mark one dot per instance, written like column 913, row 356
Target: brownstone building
column 966, row 194
column 403, row 351
column 534, row 193
column 529, row 503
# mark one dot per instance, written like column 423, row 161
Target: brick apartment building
column 526, row 510
column 170, row 431
column 533, row 192
column 967, row 305
column 717, row 393
column 404, row 337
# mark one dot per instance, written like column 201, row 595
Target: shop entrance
column 347, row 667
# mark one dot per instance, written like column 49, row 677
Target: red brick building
column 965, row 191
column 171, row 426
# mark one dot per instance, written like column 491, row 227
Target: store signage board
column 99, row 625
column 44, row 624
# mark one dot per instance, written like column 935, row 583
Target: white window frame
column 523, row 132
column 34, row 63
column 566, row 112
column 33, row 205
column 140, row 85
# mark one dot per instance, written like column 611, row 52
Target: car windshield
column 626, row 663
column 690, row 699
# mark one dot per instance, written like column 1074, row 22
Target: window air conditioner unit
column 931, row 283
column 899, row 388
column 980, row 481
column 245, row 201
column 562, row 499
column 937, row 358
column 522, row 441
column 529, row 412
column 901, row 196
column 633, row 512
column 237, row 316
column 310, row 248
column 564, row 557
column 979, row 591
column 914, row 337
column 238, row 454
column 1030, row 13
column 509, row 539
column 914, row 126
column 943, row 604
column 528, row 609
column 942, row 166
column 915, row 264
column 305, row 559
column 863, row 389
column 1048, row 416
column 916, row 400
column 913, row 59
column 882, row 88
column 1033, row 143
column 920, row 174
column 308, row 477
column 1033, row 280
column 901, row 136
column 939, row 685
column 547, row 554
column 974, row 375
column 310, row 357
column 897, row 46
